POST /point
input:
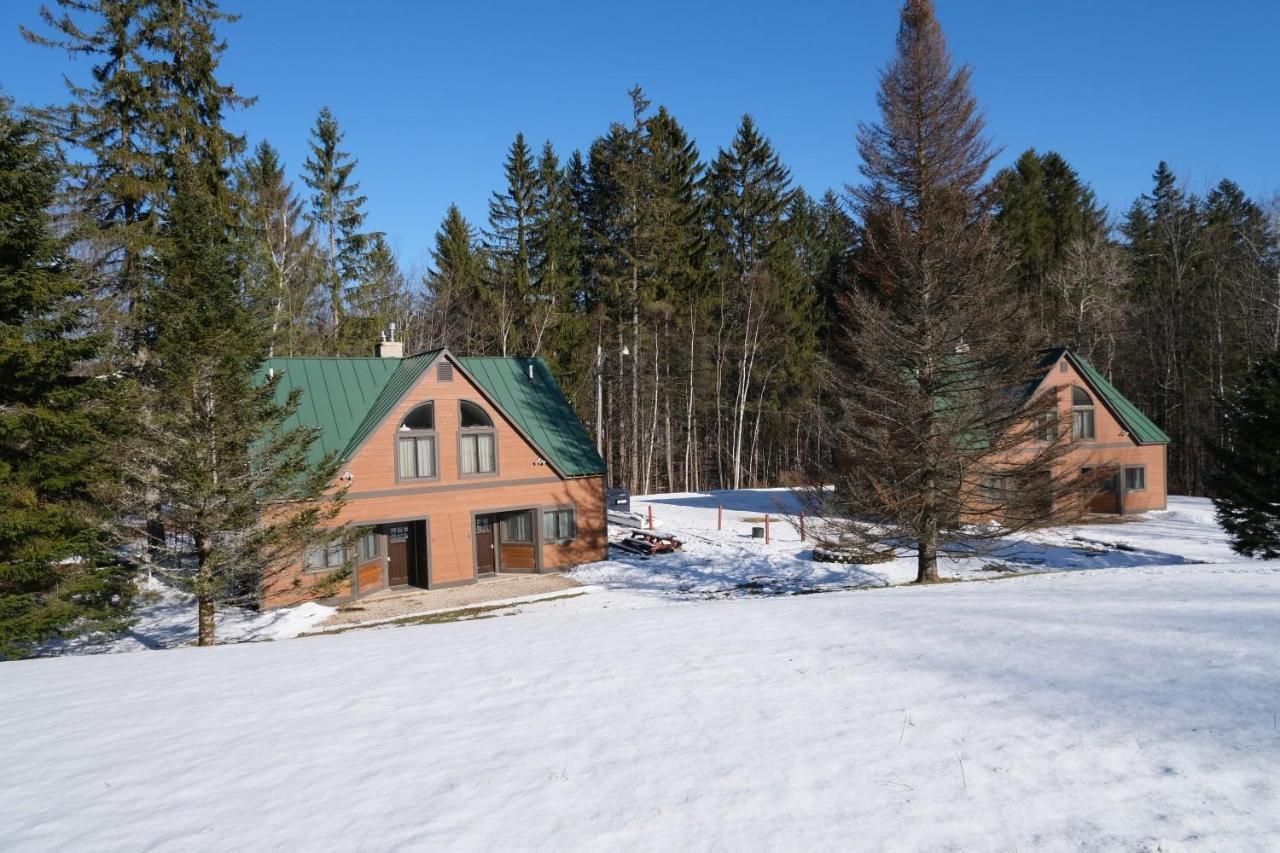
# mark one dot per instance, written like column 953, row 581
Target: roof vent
column 444, row 372
column 389, row 347
column 530, row 368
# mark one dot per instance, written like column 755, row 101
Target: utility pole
column 600, row 400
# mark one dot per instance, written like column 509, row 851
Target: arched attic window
column 477, row 441
column 1082, row 414
column 416, row 445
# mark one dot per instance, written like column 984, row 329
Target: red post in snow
column 720, row 517
column 650, row 516
column 766, row 528
column 802, row 527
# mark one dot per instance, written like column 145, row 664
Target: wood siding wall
column 523, row 480
column 1111, row 447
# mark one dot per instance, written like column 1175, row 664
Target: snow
column 728, row 562
column 1132, row 707
column 167, row 619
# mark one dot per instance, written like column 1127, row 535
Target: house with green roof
column 1112, row 441
column 460, row 468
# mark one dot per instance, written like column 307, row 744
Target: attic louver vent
column 444, row 372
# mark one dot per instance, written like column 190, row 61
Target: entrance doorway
column 406, row 553
column 506, row 542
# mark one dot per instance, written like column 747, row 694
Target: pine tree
column 937, row 342
column 241, row 501
column 511, row 213
column 377, row 301
column 558, row 323
column 1247, row 487
column 455, row 284
column 337, row 211
column 54, row 577
column 154, row 89
column 280, row 250
column 748, row 191
column 1041, row 206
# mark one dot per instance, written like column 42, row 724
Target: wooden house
column 459, row 467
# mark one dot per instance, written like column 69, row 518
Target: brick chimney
column 389, row 347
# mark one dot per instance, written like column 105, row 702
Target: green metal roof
column 407, row 372
column 1139, row 426
column 337, row 394
column 540, row 409
column 348, row 397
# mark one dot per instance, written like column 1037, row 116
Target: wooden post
column 802, row 527
column 650, row 516
column 720, row 517
column 766, row 528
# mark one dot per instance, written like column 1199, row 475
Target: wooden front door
column 397, row 554
column 486, row 553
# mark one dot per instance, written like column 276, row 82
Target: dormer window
column 477, row 442
column 1082, row 414
column 416, row 445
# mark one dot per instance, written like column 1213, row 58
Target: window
column 473, row 417
column 416, row 444
column 1082, row 421
column 559, row 525
column 1047, row 427
column 477, row 448
column 1135, row 479
column 518, row 527
column 324, row 558
column 993, row 489
column 367, row 548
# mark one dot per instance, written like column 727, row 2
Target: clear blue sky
column 431, row 94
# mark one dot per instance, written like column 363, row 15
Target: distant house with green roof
column 1110, row 436
column 461, row 468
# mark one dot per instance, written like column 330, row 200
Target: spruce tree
column 240, row 499
column 511, row 214
column 153, row 89
column 456, row 283
column 558, row 327
column 937, row 344
column 1247, row 485
column 279, row 248
column 337, row 210
column 54, row 577
column 748, row 191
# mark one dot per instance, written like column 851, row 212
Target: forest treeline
column 698, row 306
column 687, row 301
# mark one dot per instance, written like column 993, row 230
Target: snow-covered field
column 673, row 708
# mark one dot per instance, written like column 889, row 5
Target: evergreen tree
column 557, row 324
column 54, row 578
column 511, row 213
column 337, row 210
column 937, row 342
column 280, row 251
column 376, row 302
column 1041, row 206
column 240, row 498
column 1247, row 486
column 748, row 191
column 153, row 89
column 456, row 283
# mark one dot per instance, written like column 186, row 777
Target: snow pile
column 1124, row 709
column 729, row 562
